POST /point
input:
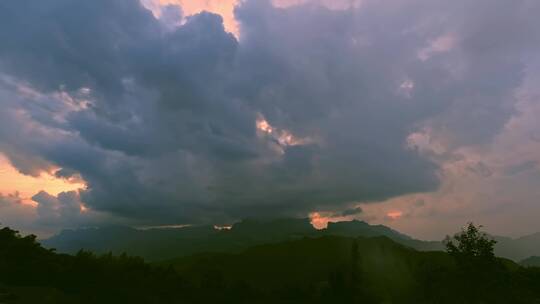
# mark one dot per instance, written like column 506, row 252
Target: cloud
column 51, row 208
column 165, row 123
column 13, row 212
column 491, row 183
column 353, row 211
column 48, row 213
column 224, row 8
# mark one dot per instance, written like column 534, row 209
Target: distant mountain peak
column 356, row 227
column 165, row 243
column 273, row 227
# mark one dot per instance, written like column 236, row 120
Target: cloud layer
column 315, row 108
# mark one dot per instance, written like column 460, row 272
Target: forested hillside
column 307, row 270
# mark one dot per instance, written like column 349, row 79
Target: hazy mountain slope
column 153, row 244
column 533, row 261
column 160, row 244
column 520, row 248
column 360, row 228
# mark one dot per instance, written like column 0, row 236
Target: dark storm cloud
column 160, row 121
column 353, row 211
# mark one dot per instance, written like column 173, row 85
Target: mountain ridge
column 156, row 244
column 321, row 269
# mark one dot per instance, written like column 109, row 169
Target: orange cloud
column 320, row 220
column 12, row 181
column 282, row 136
column 225, row 8
column 394, row 215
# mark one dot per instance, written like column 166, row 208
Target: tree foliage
column 471, row 243
column 310, row 270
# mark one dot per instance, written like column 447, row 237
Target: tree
column 480, row 275
column 470, row 243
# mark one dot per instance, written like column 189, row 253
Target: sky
column 420, row 115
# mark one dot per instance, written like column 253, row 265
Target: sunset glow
column 394, row 215
column 282, row 136
column 270, row 151
column 225, row 8
column 12, row 181
column 320, row 220
column 262, row 108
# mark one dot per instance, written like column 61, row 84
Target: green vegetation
column 327, row 269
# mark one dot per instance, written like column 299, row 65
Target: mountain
column 166, row 243
column 152, row 244
column 360, row 228
column 275, row 229
column 519, row 248
column 322, row 269
column 533, row 261
column 160, row 244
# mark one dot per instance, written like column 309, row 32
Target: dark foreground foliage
column 33, row 274
column 310, row 270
